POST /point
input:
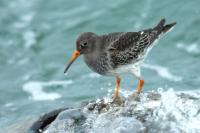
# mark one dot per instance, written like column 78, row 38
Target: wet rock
column 70, row 120
column 150, row 112
column 43, row 122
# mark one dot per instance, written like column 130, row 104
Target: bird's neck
column 92, row 55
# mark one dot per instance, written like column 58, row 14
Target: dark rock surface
column 44, row 121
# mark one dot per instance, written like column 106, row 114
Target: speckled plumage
column 123, row 49
column 119, row 52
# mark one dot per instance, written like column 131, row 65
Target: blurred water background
column 37, row 38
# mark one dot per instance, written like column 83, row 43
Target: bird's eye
column 84, row 44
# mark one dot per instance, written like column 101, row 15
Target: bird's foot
column 134, row 97
column 118, row 100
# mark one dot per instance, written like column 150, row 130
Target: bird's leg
column 135, row 96
column 116, row 95
column 117, row 99
column 136, row 73
column 140, row 86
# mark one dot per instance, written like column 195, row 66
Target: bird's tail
column 162, row 28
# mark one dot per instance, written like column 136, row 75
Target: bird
column 116, row 53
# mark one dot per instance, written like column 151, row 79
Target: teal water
column 37, row 38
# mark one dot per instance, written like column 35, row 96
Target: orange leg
column 140, row 86
column 117, row 87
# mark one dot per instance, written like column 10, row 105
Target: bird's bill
column 75, row 55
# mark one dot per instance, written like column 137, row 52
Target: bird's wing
column 125, row 41
column 128, row 47
column 110, row 38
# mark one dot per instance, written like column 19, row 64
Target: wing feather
column 125, row 41
column 128, row 47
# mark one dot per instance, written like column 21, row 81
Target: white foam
column 23, row 61
column 93, row 75
column 163, row 72
column 35, row 88
column 195, row 93
column 27, row 17
column 8, row 104
column 190, row 48
column 29, row 38
column 90, row 75
column 24, row 20
column 177, row 111
column 170, row 112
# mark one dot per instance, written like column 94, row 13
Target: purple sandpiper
column 118, row 52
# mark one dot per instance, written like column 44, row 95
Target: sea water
column 37, row 38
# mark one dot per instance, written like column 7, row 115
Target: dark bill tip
column 75, row 55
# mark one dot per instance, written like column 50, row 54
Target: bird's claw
column 134, row 97
column 118, row 100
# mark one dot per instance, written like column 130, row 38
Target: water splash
column 169, row 111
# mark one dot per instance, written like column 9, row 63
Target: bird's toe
column 134, row 97
column 118, row 100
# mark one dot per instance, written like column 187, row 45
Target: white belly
column 126, row 68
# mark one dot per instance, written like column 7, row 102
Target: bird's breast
column 98, row 62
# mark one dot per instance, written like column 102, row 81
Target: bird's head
column 85, row 44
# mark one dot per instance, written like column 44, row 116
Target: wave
column 8, row 104
column 163, row 72
column 189, row 48
column 36, row 89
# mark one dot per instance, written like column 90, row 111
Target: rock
column 151, row 112
column 43, row 122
